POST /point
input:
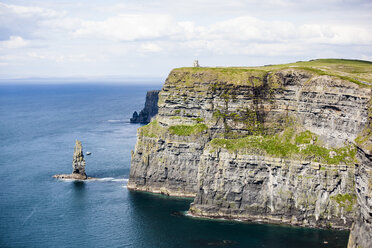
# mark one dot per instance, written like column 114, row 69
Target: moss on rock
column 187, row 130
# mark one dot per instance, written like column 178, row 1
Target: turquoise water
column 38, row 128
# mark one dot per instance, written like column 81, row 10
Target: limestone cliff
column 361, row 231
column 150, row 109
column 270, row 143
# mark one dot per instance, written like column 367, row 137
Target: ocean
column 38, row 128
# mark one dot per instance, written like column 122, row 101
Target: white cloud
column 28, row 11
column 151, row 47
column 128, row 27
column 60, row 58
column 107, row 36
column 14, row 42
column 336, row 34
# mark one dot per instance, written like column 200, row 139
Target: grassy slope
column 357, row 71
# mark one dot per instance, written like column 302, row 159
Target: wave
column 67, row 180
column 103, row 179
column 120, row 180
column 110, row 179
column 115, row 121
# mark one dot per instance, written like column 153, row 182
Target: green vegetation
column 306, row 137
column 364, row 139
column 285, row 146
column 198, row 120
column 237, row 76
column 345, row 200
column 152, row 130
column 248, row 117
column 187, row 130
column 344, row 154
column 356, row 71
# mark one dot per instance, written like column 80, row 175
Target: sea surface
column 38, row 128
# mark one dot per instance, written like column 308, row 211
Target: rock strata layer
column 361, row 230
column 150, row 109
column 274, row 146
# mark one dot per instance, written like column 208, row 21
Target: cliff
column 361, row 231
column 274, row 143
column 150, row 109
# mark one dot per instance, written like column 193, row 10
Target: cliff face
column 256, row 144
column 361, row 231
column 150, row 109
column 249, row 187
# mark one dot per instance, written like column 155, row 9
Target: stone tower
column 196, row 63
column 78, row 162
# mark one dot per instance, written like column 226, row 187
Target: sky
column 114, row 39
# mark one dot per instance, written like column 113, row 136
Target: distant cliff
column 150, row 110
column 277, row 144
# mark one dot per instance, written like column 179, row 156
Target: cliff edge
column 275, row 144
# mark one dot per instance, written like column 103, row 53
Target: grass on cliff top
column 356, row 71
column 238, row 76
column 289, row 145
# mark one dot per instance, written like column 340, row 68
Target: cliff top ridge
column 356, row 71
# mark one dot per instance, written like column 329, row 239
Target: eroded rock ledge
column 258, row 144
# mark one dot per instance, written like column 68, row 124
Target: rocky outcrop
column 166, row 163
column 78, row 165
column 256, row 144
column 150, row 110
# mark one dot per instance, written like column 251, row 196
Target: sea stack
column 78, row 162
column 78, row 165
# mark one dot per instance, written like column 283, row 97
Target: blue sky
column 140, row 38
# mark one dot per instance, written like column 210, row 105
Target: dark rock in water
column 215, row 243
column 176, row 214
column 78, row 165
column 150, row 110
column 71, row 176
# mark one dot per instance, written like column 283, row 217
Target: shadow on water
column 153, row 211
column 79, row 185
column 78, row 192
